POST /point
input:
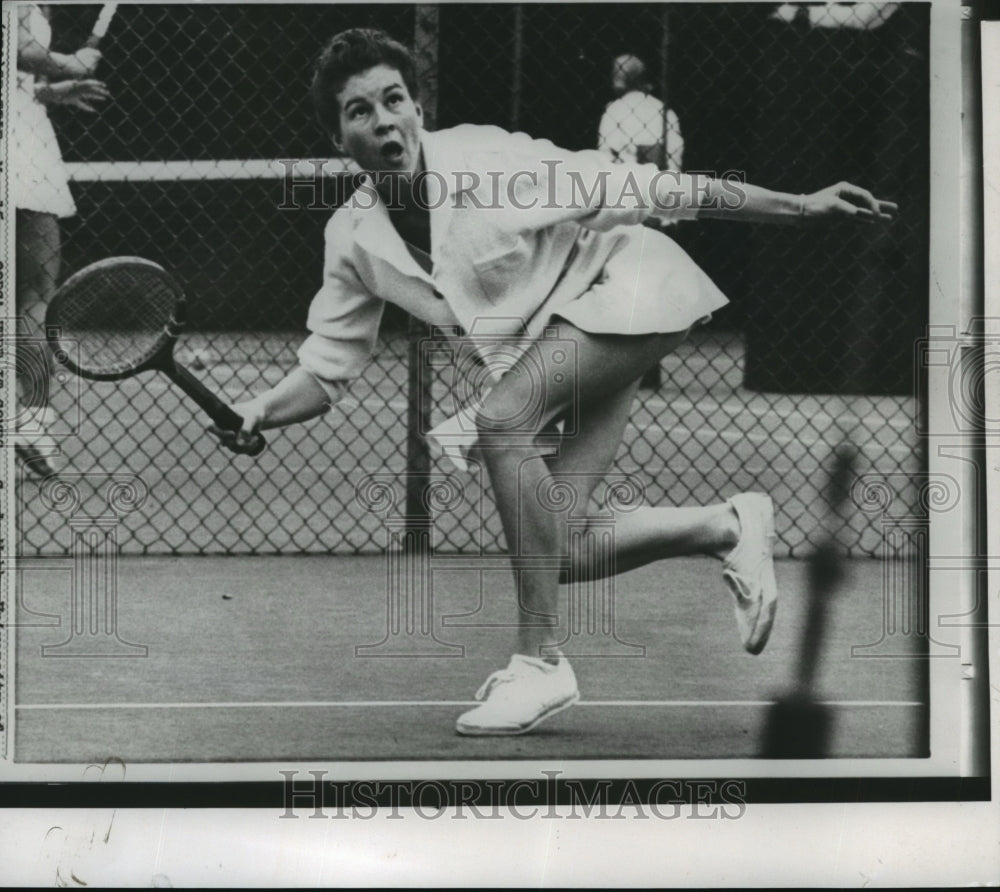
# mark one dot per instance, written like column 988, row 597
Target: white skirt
column 38, row 177
column 647, row 284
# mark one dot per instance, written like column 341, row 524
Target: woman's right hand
column 847, row 201
column 78, row 93
column 245, row 439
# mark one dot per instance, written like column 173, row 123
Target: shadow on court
column 253, row 659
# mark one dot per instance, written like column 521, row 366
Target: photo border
column 953, row 304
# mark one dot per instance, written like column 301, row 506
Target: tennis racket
column 102, row 24
column 122, row 316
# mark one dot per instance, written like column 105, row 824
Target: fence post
column 418, row 394
column 418, row 411
column 426, row 29
column 517, row 62
column 653, row 378
column 664, row 58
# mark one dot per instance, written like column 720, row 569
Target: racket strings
column 114, row 319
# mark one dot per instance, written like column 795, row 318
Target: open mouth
column 392, row 151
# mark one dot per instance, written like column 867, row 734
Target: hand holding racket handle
column 224, row 417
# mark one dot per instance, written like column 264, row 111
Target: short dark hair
column 633, row 71
column 347, row 54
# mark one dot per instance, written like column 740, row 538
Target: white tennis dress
column 39, row 181
column 521, row 231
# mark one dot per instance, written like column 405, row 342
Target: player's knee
column 509, row 412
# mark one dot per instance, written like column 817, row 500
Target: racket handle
column 217, row 410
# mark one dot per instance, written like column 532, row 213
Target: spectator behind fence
column 41, row 195
column 580, row 294
column 636, row 127
column 854, row 16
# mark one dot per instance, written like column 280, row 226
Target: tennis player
column 41, row 195
column 524, row 244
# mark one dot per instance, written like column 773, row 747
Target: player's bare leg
column 738, row 531
column 520, row 473
column 38, row 263
column 646, row 533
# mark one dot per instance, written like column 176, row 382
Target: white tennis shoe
column 518, row 698
column 749, row 570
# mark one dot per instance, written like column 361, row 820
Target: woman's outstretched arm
column 732, row 199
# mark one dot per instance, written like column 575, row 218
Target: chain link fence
column 188, row 164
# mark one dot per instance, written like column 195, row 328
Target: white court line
column 313, row 704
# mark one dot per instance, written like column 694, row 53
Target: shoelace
column 501, row 676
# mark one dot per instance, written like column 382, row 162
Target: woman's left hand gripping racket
column 121, row 316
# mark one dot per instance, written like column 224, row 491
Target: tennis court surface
column 253, row 659
column 248, row 657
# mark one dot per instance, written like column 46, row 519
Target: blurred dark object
column 798, row 726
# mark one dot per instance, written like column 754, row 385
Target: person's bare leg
column 520, row 473
column 644, row 534
column 739, row 531
column 38, row 263
column 539, row 682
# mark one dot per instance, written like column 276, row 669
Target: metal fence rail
column 186, row 165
